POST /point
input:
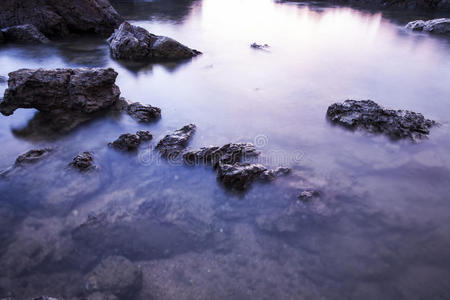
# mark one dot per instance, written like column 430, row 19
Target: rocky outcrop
column 130, row 142
column 232, row 170
column 130, row 42
column 172, row 145
column 66, row 96
column 24, row 34
column 83, row 162
column 143, row 113
column 369, row 116
column 438, row 26
column 115, row 276
column 60, row 18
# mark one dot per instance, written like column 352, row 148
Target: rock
column 130, row 42
column 143, row 113
column 227, row 154
column 239, row 176
column 60, row 18
column 369, row 116
column 115, row 275
column 173, row 144
column 308, row 195
column 270, row 175
column 439, row 26
column 130, row 142
column 66, row 96
column 32, row 156
column 259, row 46
column 83, row 162
column 24, row 34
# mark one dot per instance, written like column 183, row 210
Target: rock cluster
column 369, row 116
column 26, row 33
column 131, row 42
column 172, row 145
column 130, row 142
column 61, row 18
column 83, row 162
column 438, row 26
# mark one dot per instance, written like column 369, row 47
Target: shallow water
column 380, row 229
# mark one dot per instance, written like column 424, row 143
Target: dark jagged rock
column 438, row 26
column 115, row 275
column 239, row 176
column 308, row 195
column 66, row 96
column 130, row 142
column 228, row 154
column 83, row 162
column 270, row 175
column 369, row 116
column 172, row 145
column 60, row 18
column 32, row 156
column 130, row 42
column 259, row 46
column 24, row 34
column 143, row 113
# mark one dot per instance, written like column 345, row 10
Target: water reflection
column 379, row 229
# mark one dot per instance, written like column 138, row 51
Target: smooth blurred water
column 380, row 230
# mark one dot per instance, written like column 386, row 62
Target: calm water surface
column 380, row 229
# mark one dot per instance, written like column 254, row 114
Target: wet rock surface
column 438, row 26
column 66, row 96
column 143, row 113
column 228, row 154
column 130, row 142
column 371, row 117
column 24, row 34
column 239, row 176
column 32, row 156
column 172, row 145
column 83, row 162
column 115, row 276
column 130, row 42
column 61, row 18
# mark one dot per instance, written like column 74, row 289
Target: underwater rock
column 438, row 26
column 61, row 18
column 308, row 195
column 173, row 144
column 130, row 142
column 135, row 43
column 259, row 46
column 83, row 162
column 115, row 275
column 369, row 116
column 32, row 156
column 24, row 34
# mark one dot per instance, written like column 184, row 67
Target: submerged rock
column 24, row 34
column 66, row 96
column 115, row 275
column 60, row 18
column 135, row 43
column 439, row 26
column 369, row 116
column 172, row 145
column 308, row 195
column 130, row 142
column 83, row 162
column 32, row 156
column 259, row 46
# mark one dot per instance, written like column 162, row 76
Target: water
column 380, row 229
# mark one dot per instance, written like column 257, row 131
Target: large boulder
column 130, row 42
column 24, row 34
column 60, row 18
column 438, row 26
column 63, row 95
column 371, row 117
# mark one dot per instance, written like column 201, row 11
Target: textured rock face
column 83, row 162
column 60, row 18
column 24, row 34
column 172, row 145
column 143, row 113
column 369, row 116
column 239, row 176
column 130, row 42
column 227, row 154
column 116, row 276
column 64, row 95
column 438, row 26
column 130, row 142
